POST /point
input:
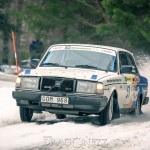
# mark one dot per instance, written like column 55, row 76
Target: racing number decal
column 128, row 91
column 131, row 93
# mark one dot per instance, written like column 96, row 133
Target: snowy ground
column 48, row 133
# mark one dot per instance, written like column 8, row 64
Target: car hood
column 76, row 73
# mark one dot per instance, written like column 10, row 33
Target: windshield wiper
column 86, row 66
column 52, row 64
column 89, row 66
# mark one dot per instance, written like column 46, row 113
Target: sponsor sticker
column 84, row 48
column 129, row 79
column 56, row 48
column 113, row 80
column 27, row 71
column 94, row 77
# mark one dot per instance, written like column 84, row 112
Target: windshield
column 101, row 60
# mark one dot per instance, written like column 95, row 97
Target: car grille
column 58, row 84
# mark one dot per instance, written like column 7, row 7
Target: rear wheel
column 26, row 114
column 105, row 116
column 60, row 116
column 137, row 110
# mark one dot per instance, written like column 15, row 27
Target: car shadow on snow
column 93, row 120
column 131, row 119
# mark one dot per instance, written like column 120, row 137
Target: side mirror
column 34, row 62
column 126, row 69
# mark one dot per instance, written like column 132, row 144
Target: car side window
column 132, row 63
column 123, row 61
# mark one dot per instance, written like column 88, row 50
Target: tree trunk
column 5, row 52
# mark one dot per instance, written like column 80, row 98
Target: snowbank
column 9, row 69
column 48, row 133
column 8, row 111
column 7, row 77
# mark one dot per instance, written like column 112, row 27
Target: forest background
column 119, row 23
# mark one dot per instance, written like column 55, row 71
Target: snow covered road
column 46, row 132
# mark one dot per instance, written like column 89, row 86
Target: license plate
column 52, row 99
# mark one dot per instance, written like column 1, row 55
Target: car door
column 135, row 80
column 128, row 85
column 123, row 94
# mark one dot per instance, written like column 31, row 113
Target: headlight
column 90, row 87
column 100, row 88
column 27, row 83
column 18, row 82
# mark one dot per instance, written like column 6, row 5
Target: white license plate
column 52, row 99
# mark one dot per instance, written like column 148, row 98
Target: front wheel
column 105, row 116
column 26, row 114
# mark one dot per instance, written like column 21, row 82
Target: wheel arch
column 141, row 99
column 116, row 108
column 115, row 94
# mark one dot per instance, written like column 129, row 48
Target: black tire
column 106, row 115
column 26, row 114
column 60, row 116
column 137, row 110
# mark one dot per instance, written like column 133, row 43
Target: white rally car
column 82, row 79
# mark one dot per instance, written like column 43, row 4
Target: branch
column 89, row 6
column 84, row 21
column 101, row 9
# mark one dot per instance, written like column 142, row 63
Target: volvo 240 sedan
column 82, row 79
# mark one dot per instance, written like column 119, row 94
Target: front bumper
column 78, row 103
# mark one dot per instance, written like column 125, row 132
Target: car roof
column 93, row 45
